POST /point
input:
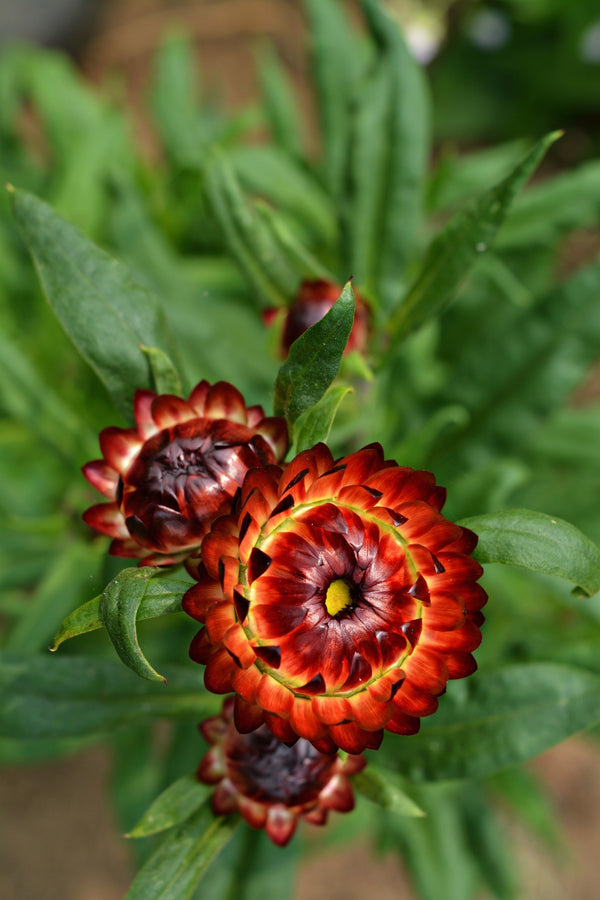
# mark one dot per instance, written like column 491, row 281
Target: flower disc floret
column 337, row 600
column 270, row 783
column 168, row 478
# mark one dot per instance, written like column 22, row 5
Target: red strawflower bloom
column 314, row 300
column 177, row 470
column 337, row 600
column 271, row 784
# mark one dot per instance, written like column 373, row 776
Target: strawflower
column 171, row 475
column 271, row 784
column 337, row 600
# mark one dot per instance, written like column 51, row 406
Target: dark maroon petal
column 269, row 655
column 258, row 564
column 360, row 672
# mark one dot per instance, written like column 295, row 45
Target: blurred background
column 499, row 73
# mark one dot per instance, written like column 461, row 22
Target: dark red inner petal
column 263, row 768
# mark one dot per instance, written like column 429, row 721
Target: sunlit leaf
column 176, row 866
column 540, row 543
column 160, row 598
column 498, row 719
column 454, row 251
column 385, row 789
column 174, row 805
column 315, row 424
column 119, row 606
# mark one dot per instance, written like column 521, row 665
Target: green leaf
column 247, row 235
column 459, row 177
column 164, row 374
column 389, row 154
column 315, row 424
column 161, row 597
column 86, row 139
column 314, row 360
column 488, row 845
column 454, row 251
column 518, row 366
column 252, row 867
column 498, row 719
column 439, row 836
column 179, row 121
column 106, row 315
column 528, row 800
column 293, row 248
column 540, row 543
column 280, row 101
column 176, row 866
column 21, row 389
column 385, row 789
column 54, row 697
column 556, row 206
column 135, row 777
column 59, row 590
column 337, row 69
column 267, row 173
column 173, row 806
column 118, row 610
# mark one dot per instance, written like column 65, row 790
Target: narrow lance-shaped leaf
column 178, row 122
column 385, row 789
column 118, row 609
column 176, row 804
column 176, row 866
column 389, row 154
column 58, row 591
column 498, row 719
column 160, row 598
column 252, row 867
column 315, row 424
column 269, row 174
column 248, row 236
column 104, row 312
column 291, row 245
column 314, row 360
column 72, row 696
column 280, row 101
column 165, row 376
column 53, row 421
column 337, row 67
column 454, row 251
column 540, row 543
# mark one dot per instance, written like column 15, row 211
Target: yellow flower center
column 337, row 597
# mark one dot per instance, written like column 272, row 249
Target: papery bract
column 271, row 784
column 337, row 600
column 169, row 477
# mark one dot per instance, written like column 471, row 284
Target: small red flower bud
column 178, row 469
column 314, row 300
column 271, row 784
